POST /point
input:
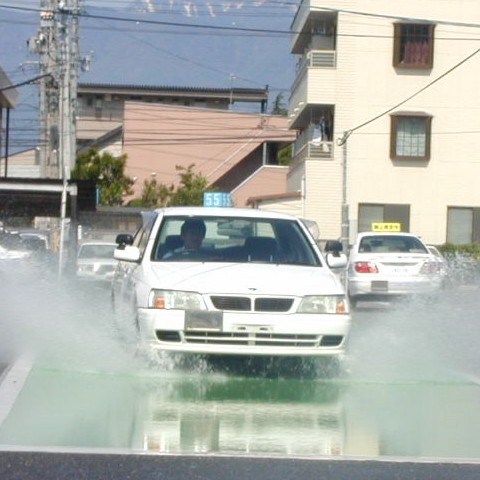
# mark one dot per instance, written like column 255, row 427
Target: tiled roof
column 162, row 89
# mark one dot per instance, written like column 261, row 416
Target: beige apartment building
column 386, row 101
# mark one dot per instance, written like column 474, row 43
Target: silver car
column 386, row 265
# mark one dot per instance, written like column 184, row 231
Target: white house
column 386, row 99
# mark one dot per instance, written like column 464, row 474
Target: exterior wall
column 115, row 149
column 286, row 205
column 92, row 128
column 267, row 180
column 323, row 197
column 157, row 138
column 365, row 85
column 101, row 106
column 23, row 171
column 24, row 164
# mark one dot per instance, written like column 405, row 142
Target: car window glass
column 96, row 251
column 391, row 244
column 237, row 240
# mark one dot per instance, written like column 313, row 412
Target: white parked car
column 386, row 265
column 257, row 285
column 10, row 254
column 95, row 261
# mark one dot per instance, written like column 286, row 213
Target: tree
column 153, row 195
column 278, row 106
column 107, row 171
column 285, row 155
column 192, row 186
column 189, row 192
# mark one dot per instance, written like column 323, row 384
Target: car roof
column 227, row 211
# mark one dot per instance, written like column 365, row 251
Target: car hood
column 250, row 278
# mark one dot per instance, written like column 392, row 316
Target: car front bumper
column 225, row 333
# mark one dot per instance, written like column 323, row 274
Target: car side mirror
column 123, row 239
column 334, row 247
column 127, row 253
column 336, row 260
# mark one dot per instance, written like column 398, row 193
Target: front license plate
column 379, row 286
column 198, row 320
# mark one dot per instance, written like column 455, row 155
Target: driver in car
column 192, row 232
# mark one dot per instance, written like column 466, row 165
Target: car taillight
column 366, row 267
column 429, row 268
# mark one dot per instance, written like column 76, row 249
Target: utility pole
column 57, row 45
column 45, row 45
column 345, row 239
column 67, row 30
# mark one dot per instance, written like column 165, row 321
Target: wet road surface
column 409, row 392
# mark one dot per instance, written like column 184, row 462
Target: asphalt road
column 59, row 466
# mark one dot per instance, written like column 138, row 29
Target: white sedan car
column 391, row 264
column 95, row 262
column 257, row 285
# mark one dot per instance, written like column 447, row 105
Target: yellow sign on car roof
column 386, row 227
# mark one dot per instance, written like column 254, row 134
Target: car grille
column 252, row 339
column 248, row 304
column 263, row 339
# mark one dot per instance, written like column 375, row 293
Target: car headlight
column 173, row 299
column 323, row 304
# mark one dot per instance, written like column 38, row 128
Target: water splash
column 417, row 341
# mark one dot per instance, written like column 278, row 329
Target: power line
column 342, row 140
column 143, row 21
column 26, row 82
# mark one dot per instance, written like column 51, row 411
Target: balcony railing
column 317, row 59
column 314, row 59
column 312, row 150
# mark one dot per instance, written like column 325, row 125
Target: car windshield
column 391, row 244
column 233, row 239
column 96, row 251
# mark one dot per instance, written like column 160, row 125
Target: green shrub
column 467, row 249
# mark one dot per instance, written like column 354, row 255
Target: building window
column 369, row 213
column 413, row 45
column 410, row 136
column 463, row 225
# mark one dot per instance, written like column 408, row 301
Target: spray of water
column 59, row 322
column 402, row 361
column 415, row 340
column 68, row 325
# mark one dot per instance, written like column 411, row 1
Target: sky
column 188, row 43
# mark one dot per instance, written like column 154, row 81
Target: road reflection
column 212, row 413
